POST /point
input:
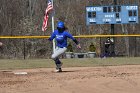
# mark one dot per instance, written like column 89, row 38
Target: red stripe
column 46, row 17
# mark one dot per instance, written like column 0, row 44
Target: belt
column 62, row 47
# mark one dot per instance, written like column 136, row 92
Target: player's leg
column 58, row 65
column 55, row 57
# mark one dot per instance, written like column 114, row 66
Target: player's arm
column 74, row 40
column 52, row 36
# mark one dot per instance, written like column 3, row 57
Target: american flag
column 46, row 17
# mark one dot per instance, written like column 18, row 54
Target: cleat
column 58, row 65
column 58, row 70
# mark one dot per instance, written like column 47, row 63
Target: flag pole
column 53, row 25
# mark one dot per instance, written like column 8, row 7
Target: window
column 94, row 14
column 105, row 9
column 119, row 8
column 114, row 9
column 130, row 12
column 89, row 15
column 117, row 15
column 134, row 13
column 109, row 9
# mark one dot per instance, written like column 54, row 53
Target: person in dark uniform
column 107, row 46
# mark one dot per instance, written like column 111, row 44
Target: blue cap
column 60, row 24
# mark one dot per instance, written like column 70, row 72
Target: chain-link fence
column 42, row 48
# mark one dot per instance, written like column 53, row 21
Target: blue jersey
column 61, row 38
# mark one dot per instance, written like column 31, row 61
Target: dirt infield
column 114, row 79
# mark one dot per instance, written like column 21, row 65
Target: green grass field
column 7, row 64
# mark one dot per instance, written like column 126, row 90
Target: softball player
column 61, row 35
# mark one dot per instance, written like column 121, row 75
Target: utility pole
column 112, row 33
